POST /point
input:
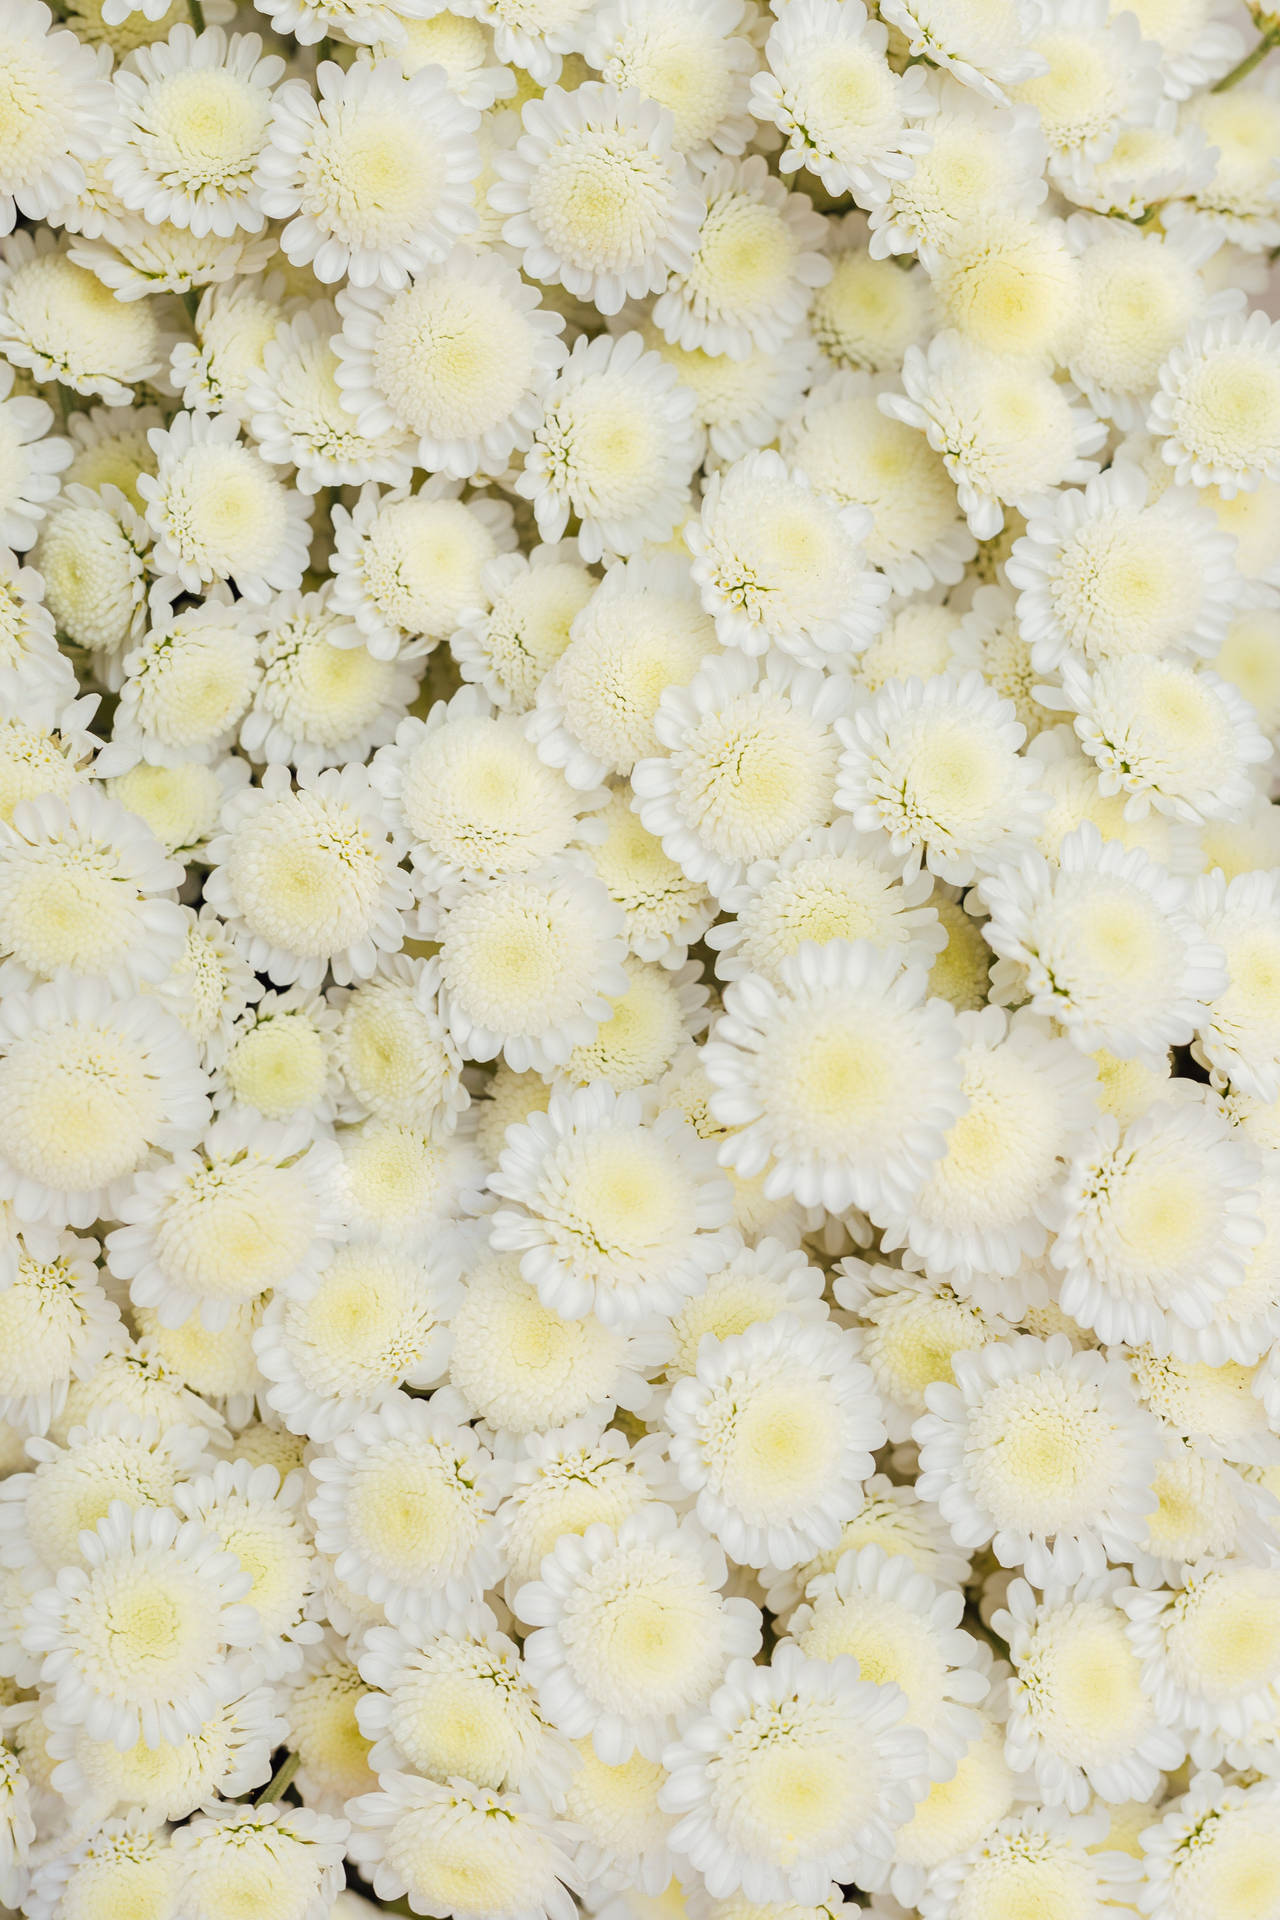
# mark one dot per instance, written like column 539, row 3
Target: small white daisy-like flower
column 190, row 128
column 753, row 1283
column 1236, row 197
column 31, row 458
column 1065, row 772
column 393, row 1048
column 298, row 417
column 1049, row 1859
column 772, row 1431
column 1209, row 1645
column 306, row 877
column 1080, row 1718
column 1043, row 1452
column 616, row 446
column 908, row 1328
column 233, row 324
column 780, row 565
column 739, row 405
column 318, row 704
column 136, row 1644
column 1240, row 1039
column 844, row 112
column 535, row 34
column 655, row 1018
column 632, row 1632
column 280, row 1060
column 85, row 887
column 218, row 1364
column 255, row 1514
column 696, row 65
column 56, row 103
column 56, row 1325
column 404, row 1183
column 1249, row 658
column 571, row 1478
column 185, row 686
column 407, row 567
column 1007, row 282
column 1216, row 410
column 1097, row 75
column 92, row 555
column 1215, row 1848
column 462, row 1850
column 462, row 45
column 1114, row 571
column 614, row 1215
column 1005, row 428
column 250, row 1209
column 749, row 763
column 870, row 311
column 1160, row 158
column 811, row 1076
column 404, row 1503
column 123, row 1861
column 137, row 257
column 30, row 657
column 45, row 745
column 372, row 171
column 663, row 911
column 595, row 197
column 320, row 1704
column 797, row 1774
column 281, row 1859
column 89, row 1086
column 218, row 512
column 981, row 155
column 950, row 1818
column 462, row 358
column 508, row 644
column 60, row 322
column 1105, row 943
column 986, row 47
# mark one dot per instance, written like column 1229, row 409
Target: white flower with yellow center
column 45, row 744
column 1202, row 1509
column 89, row 1087
column 404, row 1183
column 256, row 1513
column 572, row 1478
column 372, row 171
column 888, row 1516
column 1216, row 410
column 664, row 911
column 60, row 322
column 696, row 65
column 509, row 643
column 755, row 1283
column 280, row 1061
column 781, row 565
column 870, row 311
column 306, row 877
column 252, row 1208
column 124, row 1863
column 298, row 416
column 404, row 1505
column 1007, row 282
column 1249, row 658
column 92, row 552
column 462, row 1850
column 30, row 657
column 136, row 257
column 1097, row 75
column 614, row 1214
column 851, row 451
column 989, row 1203
column 363, row 22
column 811, row 1073
column 1041, row 1451
column 1240, row 1039
column 320, row 1705
column 535, row 34
column 624, row 1847
column 749, row 763
column 595, row 197
column 796, row 1775
column 1218, row 1408
column 185, row 686
column 56, row 1324
column 1215, row 1855
column 643, row 630
column 31, row 458
column 218, row 512
column 56, row 104
column 984, row 43
column 1105, row 943
column 1160, row 158
column 616, row 446
column 1080, row 1719
column 655, row 1018
column 137, row 1644
column 1236, row 197
column 772, row 1431
column 233, row 325
column 463, row 46
column 1209, row 1645
column 526, row 964
column 407, row 566
column 1007, row 430
column 907, row 1329
column 953, row 1814
column 129, row 1379
column 318, row 704
column 217, row 1363
column 394, row 1051
column 981, row 156
column 345, row 1339
column 1040, row 1859
column 739, row 405
column 1070, row 779
column 280, row 1860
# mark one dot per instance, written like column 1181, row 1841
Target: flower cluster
column 639, row 960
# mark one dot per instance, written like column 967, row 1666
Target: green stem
column 196, row 11
column 1242, row 68
column 278, row 1783
column 191, row 301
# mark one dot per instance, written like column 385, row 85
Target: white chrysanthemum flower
column 253, row 1207
column 1236, row 198
column 317, row 703
column 1160, row 158
column 1097, row 75
column 981, row 156
column 1104, row 943
column 60, row 322
column 190, row 128
column 780, row 565
column 136, row 257
column 92, row 554
column 989, row 640
column 908, row 1328
column 1080, row 1720
column 797, row 1774
column 772, row 1431
column 463, row 1850
column 984, row 46
column 345, row 1339
column 404, row 1503
column 363, row 22
column 890, row 1517
column 280, row 1061
column 739, row 405
column 298, row 417
column 466, row 790
column 661, row 1010
column 1007, row 282
column 218, row 1364
column 749, row 764
column 1113, row 572
column 631, row 1631
column 508, row 646
column 233, row 325
column 45, row 745
column 1240, row 1039
column 320, row 1705
column 209, row 985
column 85, row 889
column 279, row 1859
column 1209, row 1645
column 812, row 1075
column 136, row 1644
column 844, row 112
column 56, row 103
column 375, row 176
column 754, row 1283
column 695, row 64
column 403, row 1184
column 393, row 1048
column 184, row 689
column 526, row 963
column 952, row 1816
column 1065, row 772
column 462, row 358
column 1006, row 429
column 595, row 197
column 218, row 512
column 1048, row 1860
column 31, row 660
column 124, row 1862
column 1215, row 1855
column 663, row 911
column 1219, row 1409
column 616, row 446
column 461, row 45
column 1042, row 1452
column 614, row 1215
column 574, row 1477
column 624, row 1850
column 1249, row 658
column 89, row 1086
column 850, row 450
column 870, row 311
column 407, row 567
column 306, row 877
column 1216, row 411
column 31, row 458
column 56, row 1325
